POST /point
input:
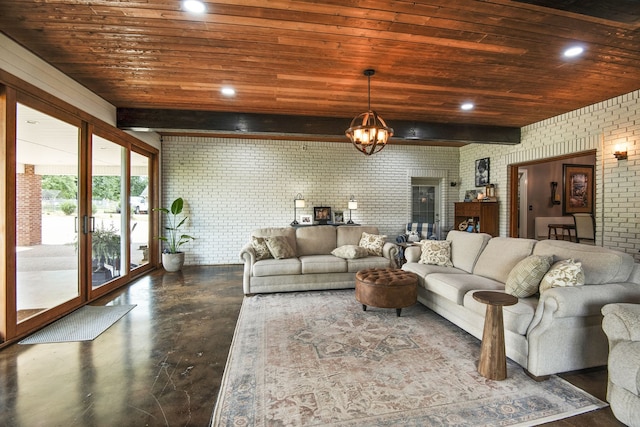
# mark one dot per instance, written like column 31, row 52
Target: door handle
column 88, row 224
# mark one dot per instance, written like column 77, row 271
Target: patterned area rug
column 84, row 324
column 315, row 358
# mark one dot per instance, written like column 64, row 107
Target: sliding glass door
column 46, row 212
column 77, row 211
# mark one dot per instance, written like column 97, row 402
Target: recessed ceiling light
column 467, row 106
column 228, row 91
column 573, row 51
column 195, row 6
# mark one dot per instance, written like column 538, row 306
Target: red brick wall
column 29, row 207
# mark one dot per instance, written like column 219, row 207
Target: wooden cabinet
column 484, row 214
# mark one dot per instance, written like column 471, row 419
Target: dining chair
column 585, row 227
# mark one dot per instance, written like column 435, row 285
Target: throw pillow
column 436, row 252
column 259, row 245
column 524, row 278
column 350, row 252
column 563, row 273
column 373, row 243
column 279, row 247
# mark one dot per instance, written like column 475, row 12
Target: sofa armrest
column 587, row 300
column 412, row 253
column 621, row 322
column 248, row 256
column 390, row 251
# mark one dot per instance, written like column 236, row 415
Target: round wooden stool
column 386, row 288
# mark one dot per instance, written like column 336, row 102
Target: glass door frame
column 12, row 92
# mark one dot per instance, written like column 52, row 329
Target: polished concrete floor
column 160, row 365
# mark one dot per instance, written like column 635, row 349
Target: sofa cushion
column 350, row 252
column 279, row 247
column 259, row 245
column 323, row 264
column 436, row 252
column 373, row 243
column 355, row 265
column 455, row 286
column 600, row 265
column 423, row 270
column 500, row 256
column 277, row 267
column 524, row 279
column 517, row 318
column 316, row 240
column 351, row 234
column 563, row 273
column 466, row 248
column 288, row 232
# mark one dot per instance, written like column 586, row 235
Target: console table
column 483, row 213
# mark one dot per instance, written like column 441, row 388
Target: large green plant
column 173, row 238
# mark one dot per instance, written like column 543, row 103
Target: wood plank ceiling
column 301, row 62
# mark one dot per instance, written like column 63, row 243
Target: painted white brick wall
column 600, row 126
column 232, row 186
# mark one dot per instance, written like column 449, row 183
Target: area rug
column 317, row 359
column 84, row 324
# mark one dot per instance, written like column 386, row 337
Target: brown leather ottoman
column 386, row 288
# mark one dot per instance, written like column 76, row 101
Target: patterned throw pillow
column 259, row 245
column 563, row 273
column 279, row 247
column 350, row 252
column 373, row 243
column 524, row 278
column 436, row 252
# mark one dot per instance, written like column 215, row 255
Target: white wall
column 597, row 127
column 233, row 186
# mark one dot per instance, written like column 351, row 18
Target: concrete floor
column 160, row 365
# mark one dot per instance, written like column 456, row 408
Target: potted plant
column 172, row 257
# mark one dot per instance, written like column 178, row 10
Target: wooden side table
column 493, row 360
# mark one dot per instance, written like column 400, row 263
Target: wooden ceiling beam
column 273, row 124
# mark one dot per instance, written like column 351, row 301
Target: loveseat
column 307, row 262
column 554, row 331
column 621, row 323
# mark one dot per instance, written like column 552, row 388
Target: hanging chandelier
column 368, row 131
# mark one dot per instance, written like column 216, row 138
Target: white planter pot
column 173, row 262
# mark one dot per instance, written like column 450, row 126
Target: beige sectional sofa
column 312, row 266
column 558, row 330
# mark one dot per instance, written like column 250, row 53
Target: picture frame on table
column 578, row 187
column 482, row 172
column 338, row 217
column 306, row 220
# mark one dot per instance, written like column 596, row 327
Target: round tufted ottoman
column 386, row 288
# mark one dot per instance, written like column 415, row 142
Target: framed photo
column 338, row 217
column 482, row 172
column 578, row 189
column 470, row 195
column 306, row 219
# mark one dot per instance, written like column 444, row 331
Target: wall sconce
column 298, row 202
column 353, row 204
column 619, row 154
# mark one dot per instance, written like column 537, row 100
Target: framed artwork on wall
column 578, row 189
column 482, row 172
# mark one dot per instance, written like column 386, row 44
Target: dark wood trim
column 331, row 127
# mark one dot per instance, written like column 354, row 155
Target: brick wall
column 233, row 186
column 596, row 127
column 29, row 207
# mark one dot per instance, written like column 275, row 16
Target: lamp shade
column 353, row 204
column 300, row 203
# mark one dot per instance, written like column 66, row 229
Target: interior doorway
column 537, row 192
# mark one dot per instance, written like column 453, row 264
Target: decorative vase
column 173, row 262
